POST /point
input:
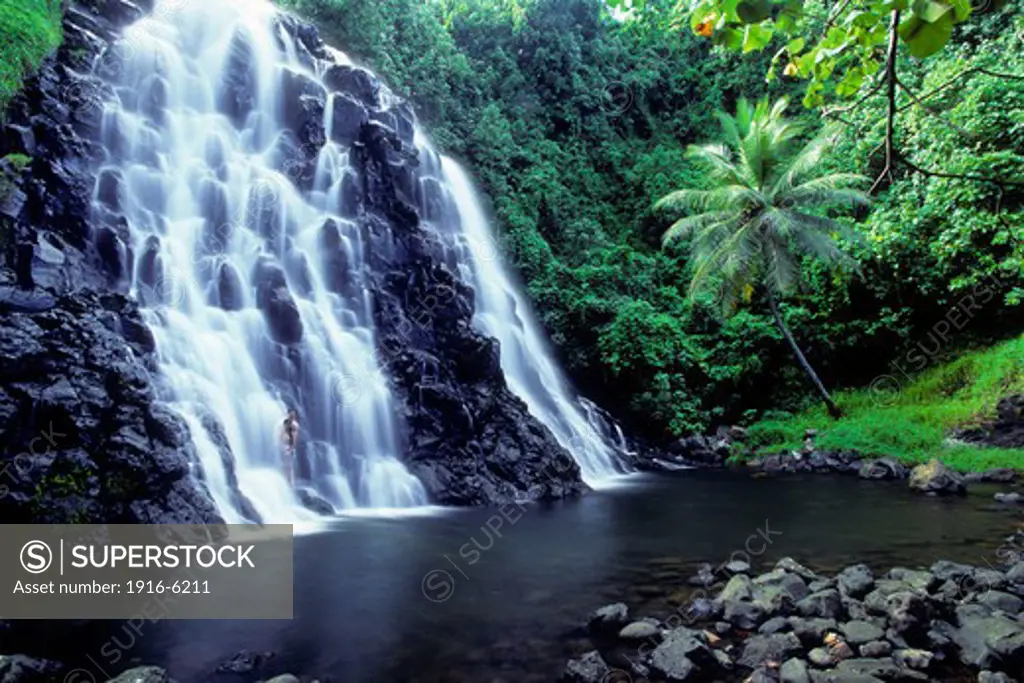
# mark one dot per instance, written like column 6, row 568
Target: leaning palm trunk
column 830, row 405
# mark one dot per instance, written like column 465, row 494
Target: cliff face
column 83, row 434
column 83, row 437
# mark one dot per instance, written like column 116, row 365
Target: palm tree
column 764, row 213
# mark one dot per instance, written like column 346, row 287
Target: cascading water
column 504, row 313
column 195, row 171
column 225, row 246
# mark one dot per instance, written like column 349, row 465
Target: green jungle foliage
column 30, row 30
column 576, row 121
column 912, row 419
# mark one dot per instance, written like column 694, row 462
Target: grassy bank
column 29, row 31
column 911, row 418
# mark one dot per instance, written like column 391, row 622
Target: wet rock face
column 360, row 84
column 79, row 354
column 470, row 439
column 238, row 87
column 276, row 302
column 83, row 436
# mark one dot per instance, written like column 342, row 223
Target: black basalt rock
column 470, row 439
column 238, row 86
column 84, row 437
column 358, row 83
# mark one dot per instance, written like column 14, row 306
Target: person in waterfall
column 290, row 437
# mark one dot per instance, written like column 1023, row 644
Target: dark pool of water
column 504, row 608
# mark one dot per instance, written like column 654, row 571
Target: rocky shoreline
column 728, row 448
column 948, row 622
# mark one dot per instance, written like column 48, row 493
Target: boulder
column 1011, row 498
column 881, row 669
column 855, row 581
column 876, row 648
column 994, row 677
column 778, row 590
column 825, row 604
column 348, row 116
column 920, row 660
column 589, row 668
column 883, row 468
column 639, row 630
column 935, row 477
column 23, row 669
column 230, row 295
column 143, row 674
column 744, row 614
column 312, row 500
column 680, row 655
column 359, row 84
column 999, row 600
column 245, row 662
column 778, row 647
column 820, row 657
column 858, row 632
column 794, row 670
column 988, row 640
column 794, row 567
column 812, row 631
column 608, row 619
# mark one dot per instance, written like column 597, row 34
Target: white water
column 527, row 362
column 202, row 194
column 222, row 362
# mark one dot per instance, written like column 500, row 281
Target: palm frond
column 759, row 218
column 686, row 227
column 837, row 188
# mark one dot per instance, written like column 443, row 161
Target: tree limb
column 954, row 79
column 933, row 112
column 958, row 176
column 842, row 110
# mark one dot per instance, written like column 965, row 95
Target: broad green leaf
column 729, row 38
column 728, row 8
column 924, row 39
column 851, row 83
column 795, row 46
column 754, row 11
column 813, row 97
column 931, row 10
column 962, row 9
column 756, row 37
column 862, row 19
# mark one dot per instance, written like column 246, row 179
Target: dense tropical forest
column 576, row 118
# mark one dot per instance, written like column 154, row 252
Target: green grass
column 29, row 31
column 912, row 422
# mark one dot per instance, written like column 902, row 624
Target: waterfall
column 219, row 215
column 504, row 313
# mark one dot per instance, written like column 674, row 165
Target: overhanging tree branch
column 1002, row 183
column 954, row 79
column 937, row 114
